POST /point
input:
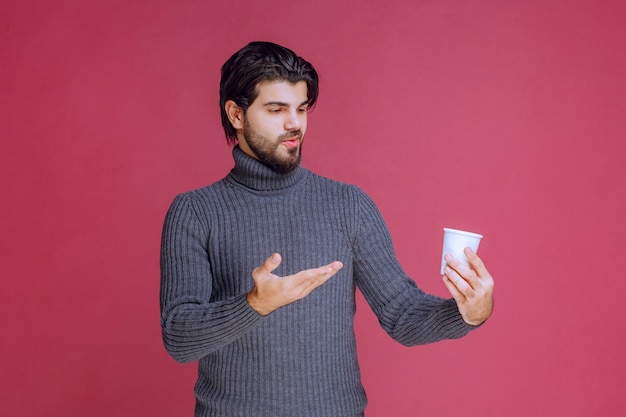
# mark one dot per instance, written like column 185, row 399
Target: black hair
column 258, row 62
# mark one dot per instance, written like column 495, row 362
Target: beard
column 267, row 150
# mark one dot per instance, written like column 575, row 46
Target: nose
column 294, row 120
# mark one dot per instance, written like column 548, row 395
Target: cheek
column 303, row 125
column 266, row 127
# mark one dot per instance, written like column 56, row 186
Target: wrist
column 256, row 304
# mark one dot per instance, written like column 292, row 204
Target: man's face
column 275, row 123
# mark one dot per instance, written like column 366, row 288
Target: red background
column 505, row 118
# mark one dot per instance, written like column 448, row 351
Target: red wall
column 507, row 118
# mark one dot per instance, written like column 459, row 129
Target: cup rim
column 462, row 232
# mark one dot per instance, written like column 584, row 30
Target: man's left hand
column 472, row 288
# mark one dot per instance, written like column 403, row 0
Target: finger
column 313, row 278
column 331, row 268
column 268, row 266
column 462, row 270
column 461, row 283
column 476, row 263
column 454, row 291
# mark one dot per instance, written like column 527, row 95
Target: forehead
column 281, row 91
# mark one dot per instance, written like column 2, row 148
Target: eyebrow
column 283, row 104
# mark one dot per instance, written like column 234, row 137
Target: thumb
column 268, row 266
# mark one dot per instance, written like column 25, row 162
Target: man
column 258, row 270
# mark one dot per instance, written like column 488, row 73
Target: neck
column 255, row 175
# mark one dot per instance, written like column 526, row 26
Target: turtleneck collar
column 257, row 176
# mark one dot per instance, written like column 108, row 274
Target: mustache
column 289, row 135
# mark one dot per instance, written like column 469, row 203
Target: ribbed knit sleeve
column 193, row 325
column 405, row 312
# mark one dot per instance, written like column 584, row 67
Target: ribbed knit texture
column 301, row 360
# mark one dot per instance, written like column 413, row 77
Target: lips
column 292, row 139
column 292, row 142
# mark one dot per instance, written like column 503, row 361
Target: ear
column 235, row 114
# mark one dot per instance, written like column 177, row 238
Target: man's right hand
column 272, row 292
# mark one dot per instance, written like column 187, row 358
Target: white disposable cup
column 454, row 241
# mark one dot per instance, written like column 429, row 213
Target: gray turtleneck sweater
column 300, row 360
